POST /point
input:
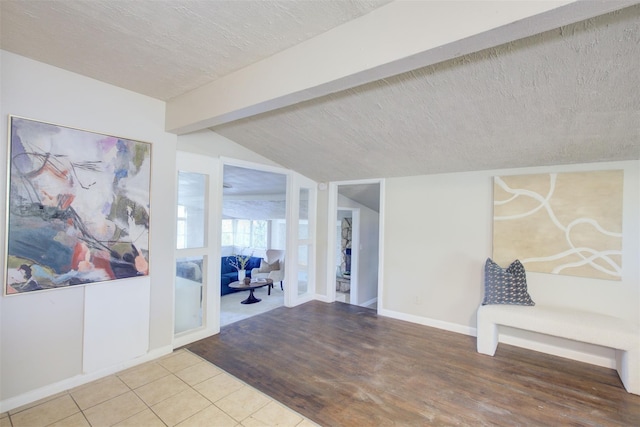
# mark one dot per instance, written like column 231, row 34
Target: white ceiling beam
column 395, row 38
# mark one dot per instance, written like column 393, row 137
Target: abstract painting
column 78, row 207
column 560, row 223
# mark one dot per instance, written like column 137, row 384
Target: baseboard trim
column 447, row 326
column 368, row 303
column 181, row 341
column 323, row 298
column 78, row 380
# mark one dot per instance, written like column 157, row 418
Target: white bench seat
column 592, row 328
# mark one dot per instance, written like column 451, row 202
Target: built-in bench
column 592, row 328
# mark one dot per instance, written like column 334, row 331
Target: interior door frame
column 210, row 166
column 291, row 298
column 294, row 182
column 211, row 320
column 331, row 237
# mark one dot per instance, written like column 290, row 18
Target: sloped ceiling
column 366, row 194
column 566, row 95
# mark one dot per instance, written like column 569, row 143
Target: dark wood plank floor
column 342, row 365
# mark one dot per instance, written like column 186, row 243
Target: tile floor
column 180, row 389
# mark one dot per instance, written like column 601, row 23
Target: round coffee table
column 255, row 284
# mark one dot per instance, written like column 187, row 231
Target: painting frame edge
column 6, row 225
column 618, row 219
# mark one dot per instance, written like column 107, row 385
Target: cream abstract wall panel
column 560, row 223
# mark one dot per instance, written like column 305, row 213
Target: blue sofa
column 192, row 270
column 229, row 274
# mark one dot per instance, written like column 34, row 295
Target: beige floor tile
column 75, row 420
column 178, row 361
column 198, row 373
column 170, row 355
column 46, row 413
column 109, row 401
column 211, row 416
column 92, row 383
column 97, row 392
column 145, row 418
column 161, row 389
column 115, row 410
column 242, row 403
column 218, row 387
column 4, row 421
column 180, row 407
column 273, row 414
column 37, row 402
column 143, row 374
column 307, row 423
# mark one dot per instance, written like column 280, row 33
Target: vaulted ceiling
column 344, row 90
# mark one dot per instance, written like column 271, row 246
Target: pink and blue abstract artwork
column 78, row 207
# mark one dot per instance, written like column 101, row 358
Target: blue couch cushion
column 254, row 262
column 229, row 274
column 226, row 267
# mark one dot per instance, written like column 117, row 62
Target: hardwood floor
column 342, row 365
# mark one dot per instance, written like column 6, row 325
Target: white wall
column 43, row 349
column 211, row 144
column 438, row 234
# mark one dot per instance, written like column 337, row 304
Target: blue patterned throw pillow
column 505, row 286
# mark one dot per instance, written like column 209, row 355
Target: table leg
column 251, row 299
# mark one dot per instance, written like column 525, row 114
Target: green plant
column 240, row 261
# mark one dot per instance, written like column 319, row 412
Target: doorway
column 253, row 229
column 355, row 242
column 199, row 213
column 347, row 238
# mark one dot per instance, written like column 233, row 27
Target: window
column 259, row 234
column 227, row 232
column 182, row 227
column 242, row 235
column 245, row 233
column 190, row 227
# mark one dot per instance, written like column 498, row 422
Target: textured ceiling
column 564, row 96
column 253, row 194
column 164, row 48
column 243, row 182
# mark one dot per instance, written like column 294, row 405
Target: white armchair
column 277, row 275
